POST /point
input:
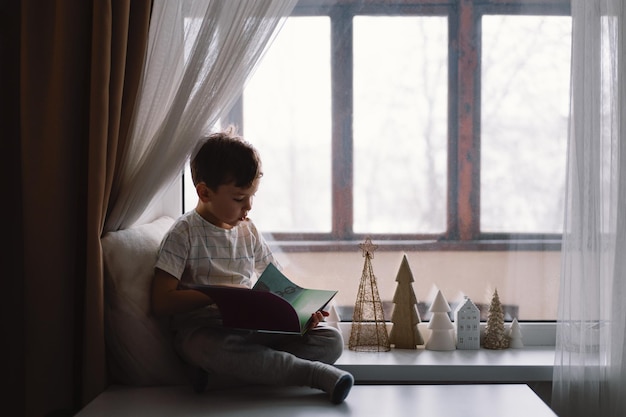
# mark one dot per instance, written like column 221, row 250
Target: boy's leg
column 222, row 353
column 322, row 343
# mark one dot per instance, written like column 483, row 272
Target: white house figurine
column 467, row 325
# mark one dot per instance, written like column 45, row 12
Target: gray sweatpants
column 259, row 358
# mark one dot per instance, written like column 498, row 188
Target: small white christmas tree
column 515, row 336
column 440, row 325
column 333, row 318
column 405, row 317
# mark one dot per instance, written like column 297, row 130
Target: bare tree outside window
column 525, row 109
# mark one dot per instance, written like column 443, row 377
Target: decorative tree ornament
column 369, row 329
column 441, row 328
column 515, row 336
column 495, row 336
column 333, row 318
column 405, row 317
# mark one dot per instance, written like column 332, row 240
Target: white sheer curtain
column 200, row 54
column 590, row 367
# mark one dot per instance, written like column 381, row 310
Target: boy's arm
column 167, row 299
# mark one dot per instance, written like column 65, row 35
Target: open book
column 275, row 304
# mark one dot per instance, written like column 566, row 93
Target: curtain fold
column 200, row 54
column 77, row 60
column 590, row 365
column 118, row 44
column 52, row 99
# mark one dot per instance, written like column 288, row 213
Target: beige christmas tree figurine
column 405, row 317
column 495, row 336
column 369, row 329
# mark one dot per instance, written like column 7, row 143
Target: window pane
column 287, row 117
column 525, row 110
column 400, row 124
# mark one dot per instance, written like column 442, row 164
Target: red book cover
column 274, row 304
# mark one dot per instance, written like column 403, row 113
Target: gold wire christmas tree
column 369, row 330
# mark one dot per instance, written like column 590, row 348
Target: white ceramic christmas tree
column 440, row 325
column 515, row 336
column 405, row 317
column 333, row 318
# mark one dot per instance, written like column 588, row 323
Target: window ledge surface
column 528, row 364
column 532, row 363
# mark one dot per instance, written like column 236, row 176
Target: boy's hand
column 317, row 318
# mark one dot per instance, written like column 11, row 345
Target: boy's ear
column 204, row 193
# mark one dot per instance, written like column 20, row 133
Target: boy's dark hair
column 224, row 157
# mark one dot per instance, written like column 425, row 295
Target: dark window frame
column 463, row 194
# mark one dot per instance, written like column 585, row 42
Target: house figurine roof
column 466, row 305
column 467, row 325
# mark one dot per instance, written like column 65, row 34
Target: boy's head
column 226, row 172
column 225, row 158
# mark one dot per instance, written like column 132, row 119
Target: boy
column 217, row 244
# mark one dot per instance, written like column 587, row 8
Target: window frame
column 464, row 105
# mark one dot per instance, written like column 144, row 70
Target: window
column 524, row 114
column 437, row 128
column 418, row 122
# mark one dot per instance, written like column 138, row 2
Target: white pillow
column 139, row 346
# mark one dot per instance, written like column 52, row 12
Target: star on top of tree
column 368, row 247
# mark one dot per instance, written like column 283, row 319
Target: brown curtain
column 79, row 69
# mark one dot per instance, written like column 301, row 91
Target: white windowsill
column 533, row 363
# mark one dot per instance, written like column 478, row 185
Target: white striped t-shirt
column 198, row 252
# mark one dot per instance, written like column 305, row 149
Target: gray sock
column 334, row 381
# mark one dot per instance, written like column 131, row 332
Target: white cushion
column 139, row 346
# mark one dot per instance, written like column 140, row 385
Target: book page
column 305, row 301
column 275, row 281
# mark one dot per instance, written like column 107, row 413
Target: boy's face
column 226, row 206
